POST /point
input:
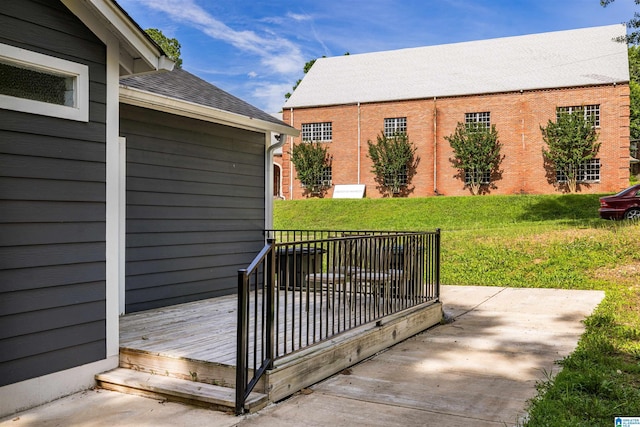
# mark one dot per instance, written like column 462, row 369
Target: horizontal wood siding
column 195, row 207
column 52, row 209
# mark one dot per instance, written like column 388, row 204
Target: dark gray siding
column 52, row 209
column 195, row 207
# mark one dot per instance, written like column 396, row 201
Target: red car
column 624, row 205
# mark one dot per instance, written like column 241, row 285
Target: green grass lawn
column 554, row 241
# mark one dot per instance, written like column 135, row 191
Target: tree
column 476, row 154
column 170, row 46
column 572, row 140
column 634, row 22
column 634, row 88
column 311, row 160
column 306, row 68
column 634, row 109
column 394, row 162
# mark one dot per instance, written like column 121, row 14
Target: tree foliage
column 306, row 68
column 476, row 152
column 634, row 23
column 393, row 162
column 171, row 46
column 634, row 87
column 634, row 110
column 571, row 140
column 311, row 159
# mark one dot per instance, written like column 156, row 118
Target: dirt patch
column 620, row 272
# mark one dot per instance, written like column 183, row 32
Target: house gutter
column 153, row 101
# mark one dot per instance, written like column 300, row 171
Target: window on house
column 590, row 112
column 589, row 171
column 402, row 178
column 321, row 132
column 395, row 126
column 483, row 118
column 34, row 83
column 325, row 179
column 484, row 179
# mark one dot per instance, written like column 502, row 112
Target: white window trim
column 393, row 124
column 48, row 64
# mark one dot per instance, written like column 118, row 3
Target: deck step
column 175, row 389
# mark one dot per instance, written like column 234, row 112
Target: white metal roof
column 582, row 57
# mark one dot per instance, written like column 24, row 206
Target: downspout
column 523, row 183
column 435, row 147
column 268, row 176
column 359, row 142
column 290, row 162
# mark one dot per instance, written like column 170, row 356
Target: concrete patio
column 479, row 369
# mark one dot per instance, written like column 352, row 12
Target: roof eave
column 454, row 95
column 139, row 54
column 146, row 99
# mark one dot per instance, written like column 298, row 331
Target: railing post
column 242, row 333
column 437, row 260
column 270, row 320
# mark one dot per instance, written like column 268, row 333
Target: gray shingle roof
column 571, row 58
column 182, row 85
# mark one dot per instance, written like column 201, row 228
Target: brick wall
column 517, row 116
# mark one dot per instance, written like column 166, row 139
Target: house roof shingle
column 582, row 57
column 182, row 85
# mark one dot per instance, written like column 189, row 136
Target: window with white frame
column 327, row 176
column 402, row 178
column 325, row 179
column 589, row 171
column 395, row 126
column 320, row 132
column 485, row 178
column 589, row 111
column 34, row 83
column 479, row 119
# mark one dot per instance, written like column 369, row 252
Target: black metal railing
column 255, row 323
column 306, row 287
column 337, row 281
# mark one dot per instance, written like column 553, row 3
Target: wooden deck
column 206, row 330
column 202, row 330
column 196, row 342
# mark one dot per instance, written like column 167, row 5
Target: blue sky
column 256, row 50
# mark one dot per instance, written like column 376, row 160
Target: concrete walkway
column 478, row 369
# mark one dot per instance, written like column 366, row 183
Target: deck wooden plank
column 206, row 330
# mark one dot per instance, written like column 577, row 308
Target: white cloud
column 299, row 17
column 272, row 95
column 277, row 54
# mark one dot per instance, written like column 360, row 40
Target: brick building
column 514, row 83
